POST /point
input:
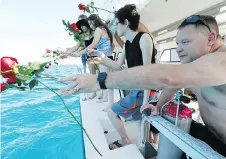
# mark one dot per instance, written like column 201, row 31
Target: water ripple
column 35, row 124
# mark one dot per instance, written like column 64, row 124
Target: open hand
column 93, row 52
column 154, row 110
column 63, row 55
column 82, row 83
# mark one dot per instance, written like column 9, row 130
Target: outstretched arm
column 76, row 54
column 209, row 70
column 93, row 45
column 104, row 60
column 73, row 49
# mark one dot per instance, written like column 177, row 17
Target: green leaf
column 87, row 9
column 76, row 37
column 68, row 23
column 47, row 55
column 55, row 61
column 25, row 84
column 92, row 3
column 9, row 85
column 21, row 88
column 63, row 21
column 22, row 77
column 36, row 73
column 91, row 9
column 25, row 70
column 33, row 83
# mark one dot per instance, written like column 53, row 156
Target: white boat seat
column 126, row 152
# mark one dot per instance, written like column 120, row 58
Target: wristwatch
column 101, row 79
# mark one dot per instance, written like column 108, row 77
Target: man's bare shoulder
column 219, row 56
column 222, row 49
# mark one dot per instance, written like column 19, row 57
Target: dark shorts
column 201, row 132
column 129, row 106
column 110, row 57
column 84, row 59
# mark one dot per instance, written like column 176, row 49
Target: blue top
column 104, row 46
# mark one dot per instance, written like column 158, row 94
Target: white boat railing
column 194, row 148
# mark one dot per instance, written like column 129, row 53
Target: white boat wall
column 162, row 18
column 96, row 123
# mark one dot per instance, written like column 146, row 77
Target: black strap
column 154, row 51
column 137, row 37
column 102, row 85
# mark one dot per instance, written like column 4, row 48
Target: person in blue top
column 103, row 42
column 82, row 25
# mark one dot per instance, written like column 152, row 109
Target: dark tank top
column 88, row 42
column 133, row 52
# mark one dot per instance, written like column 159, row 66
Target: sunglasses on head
column 196, row 19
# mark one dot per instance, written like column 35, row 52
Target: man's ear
column 212, row 38
column 126, row 22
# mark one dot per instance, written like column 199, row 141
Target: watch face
column 102, row 76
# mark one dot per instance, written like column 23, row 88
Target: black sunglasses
column 196, row 19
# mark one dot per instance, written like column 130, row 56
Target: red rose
column 7, row 63
column 73, row 26
column 11, row 79
column 77, row 30
column 81, row 6
column 46, row 66
column 7, row 74
column 2, row 87
column 48, row 51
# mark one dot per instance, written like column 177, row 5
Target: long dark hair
column 99, row 23
column 84, row 22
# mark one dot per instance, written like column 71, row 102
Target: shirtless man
column 203, row 69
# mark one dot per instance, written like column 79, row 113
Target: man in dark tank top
column 138, row 50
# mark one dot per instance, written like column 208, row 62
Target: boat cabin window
column 169, row 55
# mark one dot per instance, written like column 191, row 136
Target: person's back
column 104, row 43
column 102, row 36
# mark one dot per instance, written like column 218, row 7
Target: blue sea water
column 35, row 124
